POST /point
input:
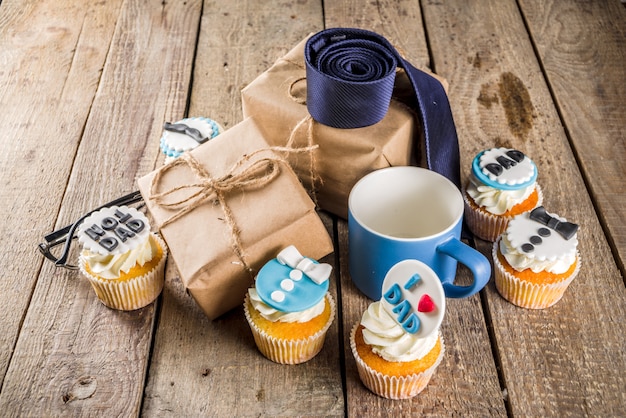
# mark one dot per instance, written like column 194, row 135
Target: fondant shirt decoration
column 292, row 282
column 315, row 271
column 414, row 297
column 504, row 168
column 566, row 229
column 113, row 230
column 532, row 233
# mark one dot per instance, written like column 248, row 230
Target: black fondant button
column 528, row 248
column 535, row 240
column 544, row 232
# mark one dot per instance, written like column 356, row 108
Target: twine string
column 309, row 122
column 246, row 174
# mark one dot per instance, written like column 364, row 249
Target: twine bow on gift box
column 247, row 173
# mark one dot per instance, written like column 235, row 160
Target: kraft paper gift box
column 277, row 100
column 263, row 209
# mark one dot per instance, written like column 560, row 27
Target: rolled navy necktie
column 350, row 78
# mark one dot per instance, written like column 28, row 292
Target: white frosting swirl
column 109, row 266
column 275, row 315
column 521, row 261
column 496, row 201
column 389, row 340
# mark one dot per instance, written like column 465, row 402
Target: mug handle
column 474, row 260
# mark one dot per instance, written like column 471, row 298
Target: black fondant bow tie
column 181, row 128
column 566, row 229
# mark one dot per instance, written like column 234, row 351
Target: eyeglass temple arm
column 66, row 234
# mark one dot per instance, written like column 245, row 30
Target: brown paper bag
column 277, row 100
column 264, row 214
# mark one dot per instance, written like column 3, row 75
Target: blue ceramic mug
column 406, row 212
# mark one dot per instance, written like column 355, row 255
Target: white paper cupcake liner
column 130, row 294
column 485, row 225
column 393, row 387
column 524, row 293
column 285, row 351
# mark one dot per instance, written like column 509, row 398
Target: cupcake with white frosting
column 121, row 258
column 187, row 134
column 536, row 259
column 501, row 185
column 289, row 309
column 397, row 344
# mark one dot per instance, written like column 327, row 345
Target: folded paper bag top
column 350, row 78
column 277, row 100
column 260, row 219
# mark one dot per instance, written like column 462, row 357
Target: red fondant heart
column 426, row 304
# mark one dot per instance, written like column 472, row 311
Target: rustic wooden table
column 84, row 90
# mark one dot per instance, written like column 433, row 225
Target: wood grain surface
column 50, row 70
column 500, row 97
column 85, row 88
column 581, row 49
column 69, row 340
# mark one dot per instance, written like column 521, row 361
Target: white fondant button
column 287, row 285
column 295, row 275
column 278, row 296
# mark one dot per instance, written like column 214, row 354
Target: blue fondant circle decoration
column 478, row 172
column 287, row 289
column 174, row 144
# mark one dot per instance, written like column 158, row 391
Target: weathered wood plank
column 68, row 355
column 573, row 353
column 400, row 22
column 74, row 356
column 240, row 41
column 51, row 58
column 581, row 47
column 203, row 367
column 467, row 381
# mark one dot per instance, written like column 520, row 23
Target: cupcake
column 502, row 184
column 121, row 258
column 186, row 135
column 397, row 344
column 289, row 309
column 536, row 259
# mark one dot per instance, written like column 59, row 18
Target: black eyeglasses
column 65, row 235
